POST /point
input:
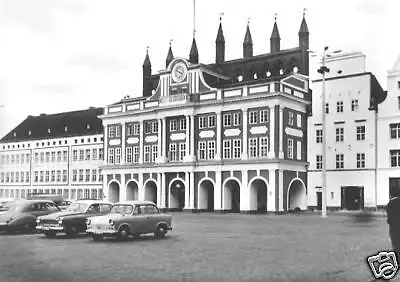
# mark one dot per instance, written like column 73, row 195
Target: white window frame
column 264, row 116
column 360, row 132
column 360, row 160
column 227, row 120
column 135, row 158
column 202, row 122
column 211, row 149
column 252, row 117
column 339, row 161
column 339, row 134
column 173, row 125
column 298, row 116
column 227, row 149
column 211, row 121
column 253, row 148
column 147, row 153
column 136, row 129
column 128, row 155
column 111, row 157
column 290, row 118
column 202, row 150
column 117, row 155
column 339, row 107
column 237, row 148
column 290, row 148
column 394, row 130
column 172, row 152
column 263, row 145
column 318, row 162
column 298, row 150
column 354, row 105
column 182, row 151
column 236, row 119
column 182, row 124
column 154, row 153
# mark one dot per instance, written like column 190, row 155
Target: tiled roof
column 76, row 123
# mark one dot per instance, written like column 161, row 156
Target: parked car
column 64, row 204
column 58, row 199
column 72, row 220
column 21, row 215
column 130, row 218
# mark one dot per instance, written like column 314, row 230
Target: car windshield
column 122, row 209
column 77, row 207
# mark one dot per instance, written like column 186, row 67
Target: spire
column 220, row 44
column 247, row 43
column 275, row 39
column 147, row 58
column 146, row 74
column 170, row 55
column 303, row 26
column 194, row 54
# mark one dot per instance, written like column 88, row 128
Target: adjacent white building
column 53, row 154
column 389, row 138
column 352, row 98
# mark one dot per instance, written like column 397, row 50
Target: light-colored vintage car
column 129, row 218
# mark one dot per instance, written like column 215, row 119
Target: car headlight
column 88, row 221
column 60, row 220
column 111, row 222
column 37, row 221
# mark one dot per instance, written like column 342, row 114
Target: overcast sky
column 63, row 55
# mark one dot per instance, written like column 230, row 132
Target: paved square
column 207, row 247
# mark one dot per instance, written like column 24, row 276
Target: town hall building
column 230, row 136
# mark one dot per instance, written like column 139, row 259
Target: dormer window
column 87, row 126
column 29, row 133
column 295, row 69
column 49, row 131
column 15, row 134
column 255, row 76
column 66, row 128
column 268, row 73
column 281, row 71
column 240, row 78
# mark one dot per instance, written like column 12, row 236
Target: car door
column 149, row 218
column 153, row 217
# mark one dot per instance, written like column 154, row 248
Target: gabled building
column 53, row 154
column 225, row 136
column 389, row 138
column 352, row 97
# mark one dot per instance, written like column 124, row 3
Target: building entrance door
column 352, row 197
column 394, row 186
column 319, row 201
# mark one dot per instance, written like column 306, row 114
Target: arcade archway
column 177, row 194
column 232, row 196
column 113, row 192
column 150, row 191
column 258, row 195
column 206, row 195
column 132, row 191
column 297, row 195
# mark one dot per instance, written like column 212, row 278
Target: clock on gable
column 179, row 72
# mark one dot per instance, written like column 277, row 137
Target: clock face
column 179, row 72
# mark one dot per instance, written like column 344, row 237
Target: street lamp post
column 322, row 70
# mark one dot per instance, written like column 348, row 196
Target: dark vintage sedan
column 72, row 220
column 21, row 215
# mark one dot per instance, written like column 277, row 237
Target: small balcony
column 178, row 99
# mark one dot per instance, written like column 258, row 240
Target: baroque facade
column 230, row 136
column 57, row 154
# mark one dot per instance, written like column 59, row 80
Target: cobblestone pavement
column 207, row 247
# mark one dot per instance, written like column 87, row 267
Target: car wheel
column 123, row 233
column 97, row 237
column 72, row 232
column 50, row 234
column 28, row 228
column 161, row 231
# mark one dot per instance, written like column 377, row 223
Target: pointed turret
column 275, row 39
column 304, row 45
column 146, row 73
column 170, row 56
column 303, row 34
column 220, row 45
column 194, row 54
column 247, row 44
